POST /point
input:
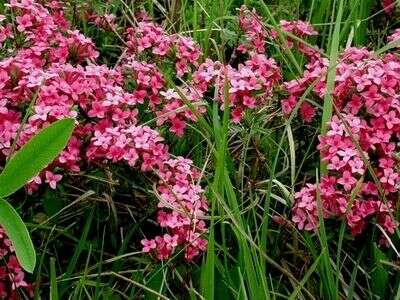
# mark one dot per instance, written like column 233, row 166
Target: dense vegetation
column 221, row 149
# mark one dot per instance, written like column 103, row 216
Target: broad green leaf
column 19, row 235
column 35, row 155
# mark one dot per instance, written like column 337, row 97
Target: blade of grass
column 220, row 133
column 78, row 250
column 53, row 280
column 326, row 271
column 330, row 81
column 310, row 271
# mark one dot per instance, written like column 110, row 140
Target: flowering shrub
column 251, row 83
column 365, row 93
column 366, row 88
column 53, row 70
column 49, row 71
column 53, row 75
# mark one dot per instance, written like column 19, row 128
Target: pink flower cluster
column 255, row 34
column 315, row 74
column 182, row 213
column 167, row 104
column 12, row 277
column 182, row 205
column 298, row 28
column 250, row 84
column 366, row 92
column 53, row 70
column 152, row 38
column 5, row 31
column 301, row 30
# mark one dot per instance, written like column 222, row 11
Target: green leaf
column 19, row 235
column 379, row 275
column 35, row 155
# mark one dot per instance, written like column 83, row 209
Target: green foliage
column 35, row 155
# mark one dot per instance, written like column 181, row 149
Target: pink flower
column 98, row 110
column 389, row 177
column 178, row 127
column 171, row 241
column 357, row 165
column 386, row 163
column 170, row 94
column 12, row 277
column 347, row 180
column 336, row 127
column 52, row 179
column 347, row 154
column 148, row 245
column 181, row 67
column 336, row 163
column 249, row 102
column 395, row 35
column 24, row 22
column 391, row 119
column 289, row 104
column 388, row 223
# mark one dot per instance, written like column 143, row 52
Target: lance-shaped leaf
column 35, row 155
column 19, row 235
